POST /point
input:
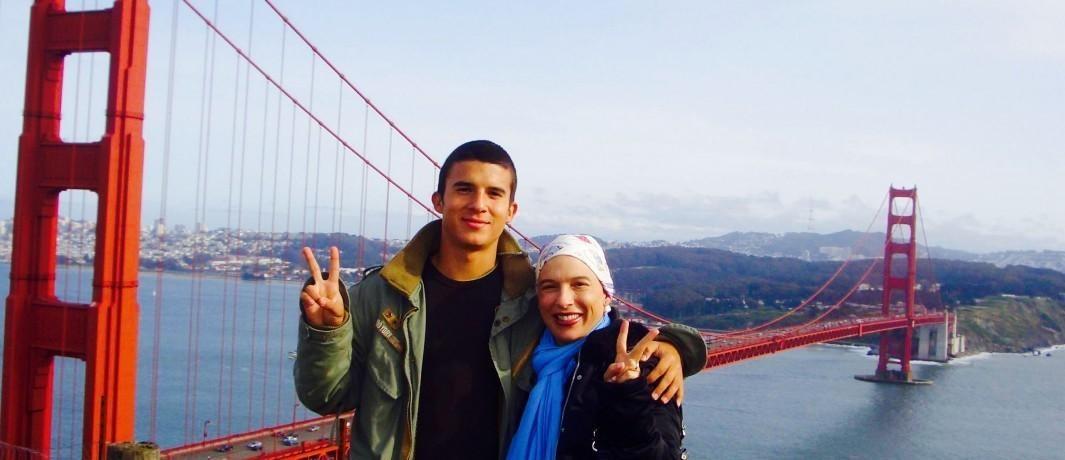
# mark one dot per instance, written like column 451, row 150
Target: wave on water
column 968, row 359
column 1051, row 348
column 853, row 348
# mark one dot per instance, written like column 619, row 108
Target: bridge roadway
column 322, row 442
column 724, row 349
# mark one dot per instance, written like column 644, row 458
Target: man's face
column 476, row 205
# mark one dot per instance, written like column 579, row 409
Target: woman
column 591, row 398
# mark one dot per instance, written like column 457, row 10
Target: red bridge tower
column 900, row 276
column 103, row 333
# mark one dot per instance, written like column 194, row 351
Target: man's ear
column 513, row 211
column 438, row 202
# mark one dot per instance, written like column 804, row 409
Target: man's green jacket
column 372, row 363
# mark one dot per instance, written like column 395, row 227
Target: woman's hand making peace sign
column 626, row 364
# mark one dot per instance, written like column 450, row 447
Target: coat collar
column 404, row 271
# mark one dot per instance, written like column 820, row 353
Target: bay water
column 220, row 372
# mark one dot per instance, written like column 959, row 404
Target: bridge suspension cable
column 809, row 300
column 304, row 108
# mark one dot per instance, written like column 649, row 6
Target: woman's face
column 571, row 299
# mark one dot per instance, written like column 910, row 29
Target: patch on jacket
column 390, row 318
column 385, row 332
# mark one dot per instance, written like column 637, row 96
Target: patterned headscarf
column 585, row 249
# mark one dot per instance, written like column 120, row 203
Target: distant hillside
column 841, row 245
column 806, row 246
column 685, row 282
column 1054, row 260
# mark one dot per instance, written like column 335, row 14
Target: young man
column 406, row 346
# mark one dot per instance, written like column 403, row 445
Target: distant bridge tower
column 900, row 276
column 103, row 333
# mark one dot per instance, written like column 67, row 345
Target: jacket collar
column 404, row 271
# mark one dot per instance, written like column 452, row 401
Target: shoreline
column 966, row 356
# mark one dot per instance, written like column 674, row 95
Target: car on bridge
column 290, row 440
column 255, row 445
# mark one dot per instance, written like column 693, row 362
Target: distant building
column 159, row 229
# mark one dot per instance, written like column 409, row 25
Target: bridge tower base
column 900, row 276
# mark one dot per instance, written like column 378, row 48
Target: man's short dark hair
column 483, row 151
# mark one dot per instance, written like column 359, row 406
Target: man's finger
column 647, row 352
column 670, row 391
column 656, row 374
column 312, row 265
column 621, row 349
column 334, row 265
column 663, row 386
column 680, row 396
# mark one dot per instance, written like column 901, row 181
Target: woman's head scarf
column 583, row 248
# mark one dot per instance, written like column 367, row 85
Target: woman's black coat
column 616, row 421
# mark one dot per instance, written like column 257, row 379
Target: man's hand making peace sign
column 323, row 306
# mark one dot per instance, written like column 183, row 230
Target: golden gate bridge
column 273, row 131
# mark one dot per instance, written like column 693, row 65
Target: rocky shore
column 1012, row 324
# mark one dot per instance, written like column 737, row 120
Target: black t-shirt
column 459, row 407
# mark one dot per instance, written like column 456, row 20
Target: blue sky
column 665, row 120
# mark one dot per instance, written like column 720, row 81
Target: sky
column 635, row 121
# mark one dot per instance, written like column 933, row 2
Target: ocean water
column 806, row 404
column 799, row 404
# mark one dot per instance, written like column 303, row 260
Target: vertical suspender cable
column 273, row 221
column 337, row 163
column 362, row 196
column 288, row 228
column 307, row 170
column 410, row 204
column 199, row 244
column 239, row 229
column 317, row 181
column 270, row 239
column 223, row 382
column 158, row 294
column 288, row 219
column 342, row 187
column 388, row 194
column 928, row 252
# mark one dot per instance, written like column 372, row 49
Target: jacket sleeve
column 632, row 425
column 689, row 343
column 330, row 362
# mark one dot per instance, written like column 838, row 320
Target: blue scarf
column 537, row 436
